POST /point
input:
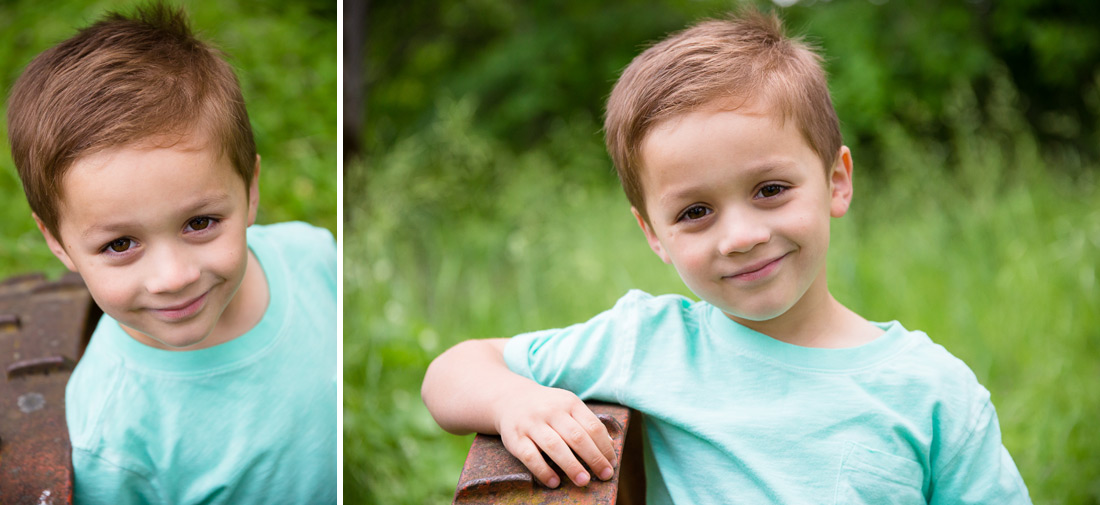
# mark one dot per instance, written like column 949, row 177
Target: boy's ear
column 654, row 242
column 254, row 193
column 840, row 181
column 55, row 245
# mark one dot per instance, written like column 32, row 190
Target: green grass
column 984, row 246
column 285, row 58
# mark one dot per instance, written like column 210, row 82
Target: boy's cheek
column 229, row 255
column 108, row 297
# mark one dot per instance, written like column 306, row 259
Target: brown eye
column 199, row 223
column 120, row 245
column 771, row 190
column 695, row 212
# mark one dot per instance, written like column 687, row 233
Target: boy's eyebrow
column 762, row 169
column 769, row 166
column 112, row 228
column 201, row 203
column 207, row 200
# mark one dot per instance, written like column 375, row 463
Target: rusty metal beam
column 44, row 328
column 492, row 476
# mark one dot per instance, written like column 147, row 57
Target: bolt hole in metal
column 31, row 402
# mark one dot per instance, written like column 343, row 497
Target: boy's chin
column 170, row 340
column 752, row 314
column 757, row 310
column 751, row 317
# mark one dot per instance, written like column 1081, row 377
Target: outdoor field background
column 285, row 57
column 484, row 205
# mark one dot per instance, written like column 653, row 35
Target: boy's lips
column 182, row 310
column 757, row 270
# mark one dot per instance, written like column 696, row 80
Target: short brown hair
column 737, row 60
column 117, row 82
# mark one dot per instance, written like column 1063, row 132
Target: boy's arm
column 470, row 388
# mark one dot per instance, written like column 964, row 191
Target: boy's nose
column 172, row 271
column 740, row 233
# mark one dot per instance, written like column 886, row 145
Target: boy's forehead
column 150, row 148
column 100, row 170
column 144, row 189
column 704, row 118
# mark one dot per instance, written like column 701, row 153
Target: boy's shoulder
column 659, row 320
column 94, row 383
column 942, row 373
column 924, row 356
column 295, row 237
column 304, row 249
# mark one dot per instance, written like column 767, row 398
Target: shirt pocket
column 872, row 477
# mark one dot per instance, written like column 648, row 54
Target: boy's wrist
column 505, row 399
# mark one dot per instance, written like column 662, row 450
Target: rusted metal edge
column 491, row 475
column 61, row 285
column 44, row 325
column 55, row 363
column 497, row 480
column 17, row 280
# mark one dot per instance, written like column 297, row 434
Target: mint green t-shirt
column 250, row 421
column 734, row 416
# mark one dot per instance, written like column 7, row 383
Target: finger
column 551, row 442
column 525, row 450
column 602, row 452
column 596, row 430
column 580, row 440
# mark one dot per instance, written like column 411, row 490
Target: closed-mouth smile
column 183, row 310
column 758, row 270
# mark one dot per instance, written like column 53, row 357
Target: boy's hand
column 558, row 423
column 470, row 388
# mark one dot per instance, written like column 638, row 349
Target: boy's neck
column 817, row 320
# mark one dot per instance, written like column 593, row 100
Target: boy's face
column 740, row 205
column 158, row 234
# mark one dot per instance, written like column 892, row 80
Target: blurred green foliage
column 531, row 65
column 285, row 58
column 485, row 205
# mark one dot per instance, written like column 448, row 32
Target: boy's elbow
column 428, row 386
column 440, row 379
column 436, row 402
column 450, row 379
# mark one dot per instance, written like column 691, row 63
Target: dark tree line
column 531, row 64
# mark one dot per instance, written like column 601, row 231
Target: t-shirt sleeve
column 592, row 359
column 308, row 246
column 981, row 471
column 100, row 482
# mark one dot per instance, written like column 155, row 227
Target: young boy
column 768, row 390
column 211, row 378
